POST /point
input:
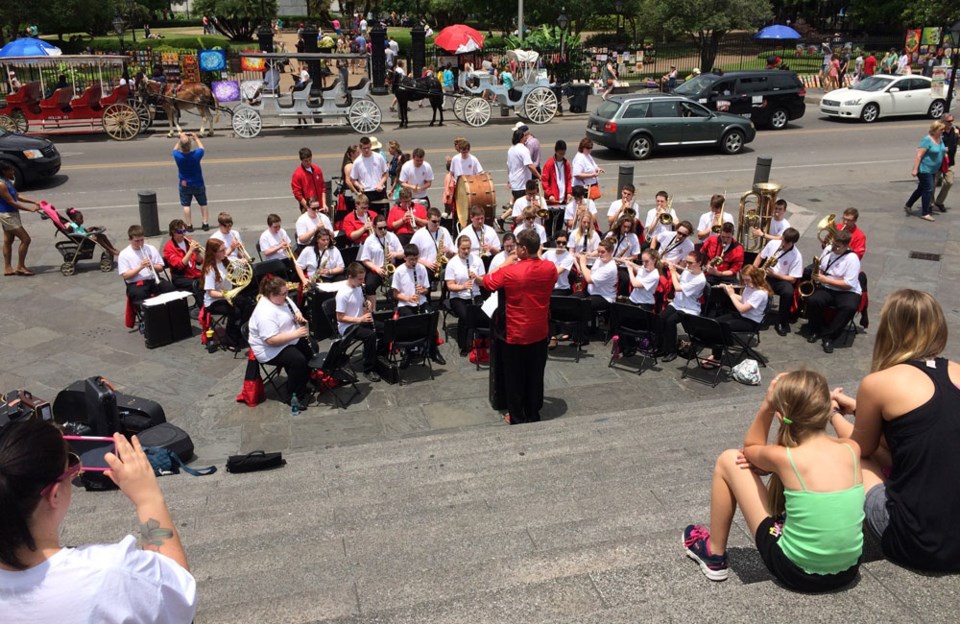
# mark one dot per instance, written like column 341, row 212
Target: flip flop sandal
column 25, row 273
column 709, row 364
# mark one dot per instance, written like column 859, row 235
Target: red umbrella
column 458, row 39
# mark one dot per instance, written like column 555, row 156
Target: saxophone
column 317, row 278
column 388, row 267
column 771, row 262
column 441, row 259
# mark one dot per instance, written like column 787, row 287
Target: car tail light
column 803, row 92
column 610, row 126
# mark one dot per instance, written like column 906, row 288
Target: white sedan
column 883, row 95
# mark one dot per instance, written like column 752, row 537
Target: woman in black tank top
column 911, row 397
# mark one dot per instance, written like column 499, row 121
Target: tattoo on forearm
column 152, row 535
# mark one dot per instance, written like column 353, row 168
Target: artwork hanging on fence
column 190, row 71
column 226, row 90
column 251, row 64
column 213, row 60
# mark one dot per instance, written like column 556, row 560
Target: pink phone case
column 90, row 446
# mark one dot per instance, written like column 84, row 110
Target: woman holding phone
column 43, row 581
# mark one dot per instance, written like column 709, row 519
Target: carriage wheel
column 106, row 262
column 20, row 121
column 143, row 112
column 246, row 122
column 458, row 105
column 476, row 112
column 540, row 106
column 365, row 116
column 68, row 269
column 121, row 122
column 7, row 123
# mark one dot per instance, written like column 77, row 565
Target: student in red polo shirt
column 307, row 183
column 527, row 282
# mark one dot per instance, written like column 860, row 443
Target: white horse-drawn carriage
column 531, row 96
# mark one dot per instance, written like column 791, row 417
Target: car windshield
column 873, row 83
column 697, row 85
column 608, row 109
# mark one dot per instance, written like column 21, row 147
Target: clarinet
column 293, row 313
column 415, row 293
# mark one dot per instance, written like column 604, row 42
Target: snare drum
column 475, row 190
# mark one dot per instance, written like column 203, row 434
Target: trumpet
column 243, row 252
column 413, row 218
column 717, row 223
column 153, row 269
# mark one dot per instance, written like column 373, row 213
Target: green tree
column 707, row 23
column 237, row 19
column 895, row 16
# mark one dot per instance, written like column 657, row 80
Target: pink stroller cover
column 51, row 212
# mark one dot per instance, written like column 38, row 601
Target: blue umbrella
column 777, row 32
column 29, row 47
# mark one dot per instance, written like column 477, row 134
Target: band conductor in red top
column 527, row 283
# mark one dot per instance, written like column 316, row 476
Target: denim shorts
column 875, row 510
column 188, row 192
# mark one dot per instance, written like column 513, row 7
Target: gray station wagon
column 639, row 124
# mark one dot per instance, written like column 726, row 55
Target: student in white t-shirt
column 578, row 206
column 777, row 225
column 355, row 319
column 530, row 199
column 529, row 222
column 509, row 247
column 43, row 581
column 462, row 277
column 653, row 226
column 380, row 251
column 416, row 175
column 750, row 307
column 708, row 221
column 785, row 271
column 432, row 239
column 229, row 236
column 674, row 246
column 601, row 279
column 687, row 288
column 644, row 279
column 274, row 241
column 321, row 258
column 564, row 261
column 466, row 163
column 279, row 336
column 308, row 223
column 411, row 285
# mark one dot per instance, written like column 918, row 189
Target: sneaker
column 371, row 376
column 828, row 346
column 439, row 359
column 205, row 227
column 941, row 207
column 696, row 543
column 783, row 329
column 190, row 229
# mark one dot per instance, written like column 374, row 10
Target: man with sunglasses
column 564, row 261
column 379, row 251
column 227, row 235
column 370, row 172
column 838, row 286
column 431, row 240
column 945, row 178
column 674, row 246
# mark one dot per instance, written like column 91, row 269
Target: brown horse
column 177, row 97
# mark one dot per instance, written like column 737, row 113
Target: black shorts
column 789, row 573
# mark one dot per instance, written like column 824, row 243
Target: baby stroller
column 77, row 246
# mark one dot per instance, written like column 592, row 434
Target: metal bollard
column 762, row 172
column 149, row 219
column 624, row 178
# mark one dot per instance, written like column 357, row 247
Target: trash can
column 578, row 97
column 149, row 219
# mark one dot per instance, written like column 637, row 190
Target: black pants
column 237, row 314
column 294, row 359
column 784, row 290
column 375, row 196
column 140, row 291
column 367, row 334
column 190, row 285
column 372, row 283
column 846, row 304
column 518, row 194
column 669, row 319
column 736, row 323
column 523, row 367
column 623, row 282
column 459, row 308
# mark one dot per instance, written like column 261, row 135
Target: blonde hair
column 912, row 327
column 802, row 398
column 936, row 125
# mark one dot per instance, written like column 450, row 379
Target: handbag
column 254, row 461
column 166, row 462
column 945, row 164
column 594, row 193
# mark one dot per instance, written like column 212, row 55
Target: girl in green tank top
column 807, row 521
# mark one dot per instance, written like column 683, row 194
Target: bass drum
column 475, row 190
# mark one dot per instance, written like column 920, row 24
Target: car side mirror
column 894, row 90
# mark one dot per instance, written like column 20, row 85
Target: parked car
column 884, row 95
column 641, row 123
column 771, row 97
column 32, row 158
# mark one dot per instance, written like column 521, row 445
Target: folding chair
column 706, row 333
column 329, row 308
column 335, row 365
column 411, row 332
column 571, row 315
column 636, row 323
column 269, row 372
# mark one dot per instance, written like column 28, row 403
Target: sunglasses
column 434, row 222
column 74, row 470
column 561, row 242
column 181, row 231
column 381, row 228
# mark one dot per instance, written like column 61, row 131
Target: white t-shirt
column 628, row 242
column 489, row 237
column 651, row 217
column 789, row 263
column 518, row 157
column 536, row 227
column 306, row 224
column 563, row 262
column 368, row 172
column 757, row 299
column 309, row 262
column 604, row 275
column 210, row 282
column 428, row 242
column 403, row 282
column 582, row 163
column 707, row 219
column 846, row 266
column 129, row 258
column 648, row 286
column 372, row 249
column 268, row 239
column 465, row 166
column 581, row 244
column 457, row 271
column 687, row 298
column 349, row 303
column 679, row 252
column 777, row 227
column 570, row 212
column 267, row 320
column 521, row 204
column 497, row 260
column 103, row 583
column 410, row 174
column 227, row 240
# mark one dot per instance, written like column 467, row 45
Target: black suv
column 32, row 158
column 771, row 97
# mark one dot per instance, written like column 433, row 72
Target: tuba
column 756, row 211
column 806, row 287
column 827, row 229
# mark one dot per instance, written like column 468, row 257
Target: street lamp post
column 954, row 61
column 119, row 26
column 563, row 21
column 618, row 5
